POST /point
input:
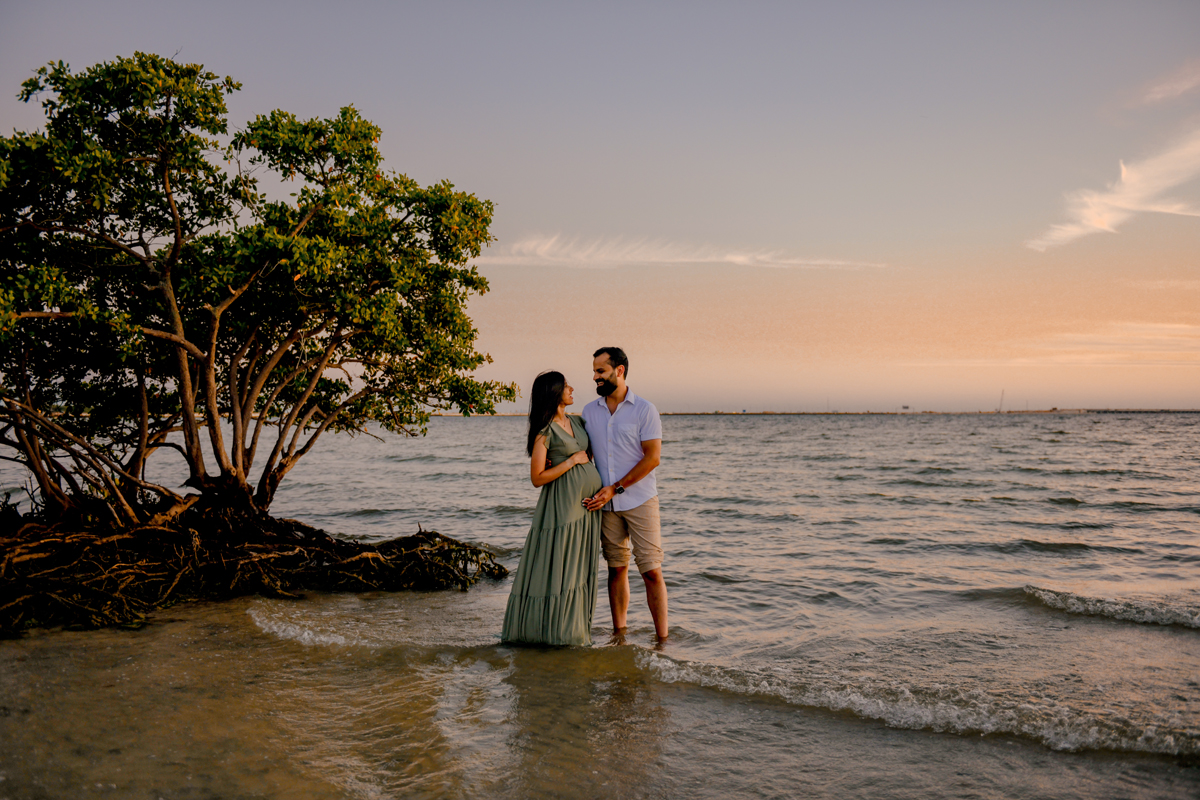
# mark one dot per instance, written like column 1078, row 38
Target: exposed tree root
column 52, row 575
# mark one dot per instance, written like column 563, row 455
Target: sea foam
column 282, row 629
column 1149, row 612
column 939, row 708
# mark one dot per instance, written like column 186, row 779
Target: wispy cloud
column 1177, row 84
column 1141, row 189
column 1119, row 344
column 1130, row 343
column 608, row 253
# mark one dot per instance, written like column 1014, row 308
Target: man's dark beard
column 606, row 388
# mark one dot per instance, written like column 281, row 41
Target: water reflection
column 585, row 723
column 475, row 722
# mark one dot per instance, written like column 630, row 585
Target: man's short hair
column 616, row 357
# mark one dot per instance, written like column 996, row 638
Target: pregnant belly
column 589, row 479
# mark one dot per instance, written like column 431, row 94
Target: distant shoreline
column 900, row 413
column 926, row 413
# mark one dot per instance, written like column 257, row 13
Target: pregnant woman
column 554, row 593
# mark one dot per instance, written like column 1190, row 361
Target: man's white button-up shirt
column 617, row 445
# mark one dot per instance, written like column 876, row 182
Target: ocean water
column 861, row 606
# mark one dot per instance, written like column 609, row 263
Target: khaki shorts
column 639, row 526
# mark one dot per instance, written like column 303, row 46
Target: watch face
column 620, row 490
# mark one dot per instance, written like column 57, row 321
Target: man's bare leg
column 618, row 596
column 656, row 598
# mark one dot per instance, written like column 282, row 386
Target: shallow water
column 874, row 606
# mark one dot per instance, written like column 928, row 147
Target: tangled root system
column 99, row 578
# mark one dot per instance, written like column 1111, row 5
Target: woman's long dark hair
column 544, row 398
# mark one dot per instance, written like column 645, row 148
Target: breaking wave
column 938, row 708
column 1149, row 612
column 283, row 629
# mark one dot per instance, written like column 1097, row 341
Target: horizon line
column 719, row 413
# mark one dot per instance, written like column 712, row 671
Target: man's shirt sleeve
column 651, row 427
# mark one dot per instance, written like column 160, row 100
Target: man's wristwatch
column 619, row 488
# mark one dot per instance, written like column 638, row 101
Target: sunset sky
column 784, row 206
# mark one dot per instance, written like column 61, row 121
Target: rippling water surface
column 861, row 606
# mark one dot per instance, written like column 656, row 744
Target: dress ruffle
column 553, row 598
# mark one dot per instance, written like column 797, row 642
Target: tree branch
column 317, row 370
column 43, row 314
column 100, row 463
column 294, row 335
column 235, row 405
column 301, row 424
column 325, row 423
column 271, row 478
column 176, row 340
column 44, row 228
column 212, row 408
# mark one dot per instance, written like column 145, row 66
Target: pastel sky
column 783, row 206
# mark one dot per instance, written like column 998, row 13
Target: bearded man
column 626, row 437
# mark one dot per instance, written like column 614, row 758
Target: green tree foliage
column 153, row 297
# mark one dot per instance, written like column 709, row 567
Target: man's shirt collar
column 630, row 398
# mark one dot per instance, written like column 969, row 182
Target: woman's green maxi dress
column 554, row 592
